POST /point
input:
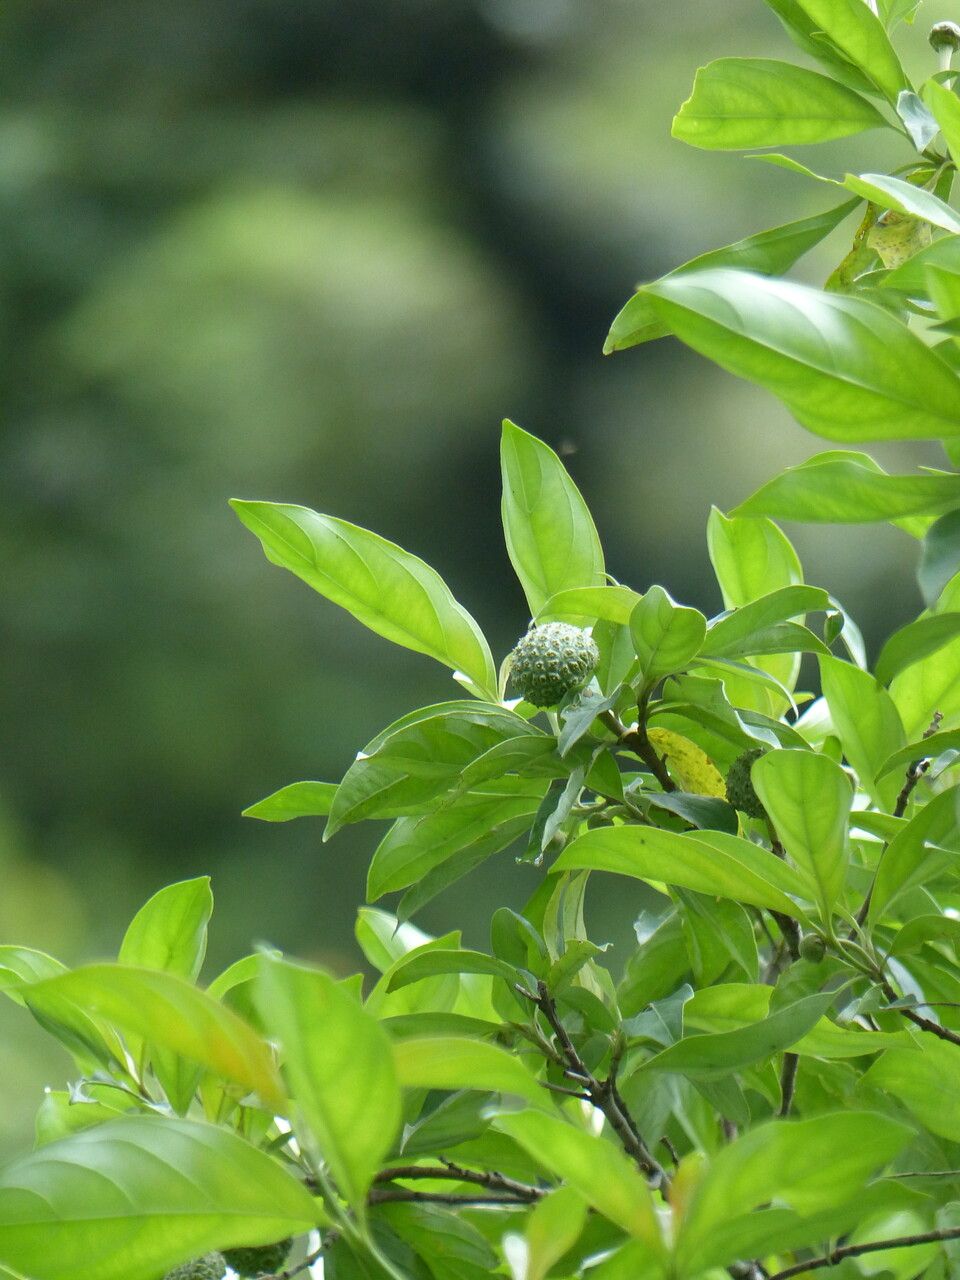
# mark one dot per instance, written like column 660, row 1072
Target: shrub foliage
column 767, row 1085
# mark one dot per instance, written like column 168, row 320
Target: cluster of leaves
column 766, row 1086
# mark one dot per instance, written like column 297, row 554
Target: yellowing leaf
column 691, row 767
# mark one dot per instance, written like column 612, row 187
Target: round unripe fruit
column 552, row 661
column 740, row 792
column 945, row 35
column 210, row 1267
column 812, row 948
column 259, row 1260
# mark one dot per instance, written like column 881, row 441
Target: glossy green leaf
column 337, row 1060
column 924, row 1079
column 771, row 253
column 708, row 1055
column 709, row 862
column 866, row 721
column 21, row 966
column 809, row 1164
column 597, row 1170
column 417, row 760
column 932, row 746
column 921, row 930
column 612, row 603
column 808, row 35
column 552, row 1228
column 739, row 103
column 428, row 964
column 298, row 800
column 164, row 1010
column 945, row 106
column 808, row 799
column 551, row 538
column 915, row 642
column 846, row 368
column 390, row 591
column 916, row 853
column 932, row 684
column 840, row 487
column 903, row 197
column 169, row 932
column 666, row 636
column 453, row 1062
column 855, row 30
column 135, row 1197
column 482, row 821
column 940, row 562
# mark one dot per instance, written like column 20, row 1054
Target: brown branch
column 603, row 1094
column 301, row 1267
column 451, row 1172
column 636, row 740
column 393, row 1195
column 836, row 1256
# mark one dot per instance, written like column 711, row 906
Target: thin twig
column 836, row 1256
column 450, row 1172
column 392, row 1195
column 923, row 1173
column 300, row 1267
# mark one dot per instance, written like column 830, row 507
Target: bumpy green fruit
column 812, row 947
column 259, row 1260
column 551, row 661
column 210, row 1267
column 740, row 792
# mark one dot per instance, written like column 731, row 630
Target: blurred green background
column 313, row 251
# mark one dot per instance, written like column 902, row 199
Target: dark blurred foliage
column 313, row 251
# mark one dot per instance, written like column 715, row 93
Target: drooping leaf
column 339, row 1064
column 598, row 1171
column 550, row 534
column 298, row 800
column 390, row 591
column 135, row 1197
column 771, row 253
column 846, row 368
column 740, row 103
column 808, row 798
column 709, row 862
column 169, row 932
column 164, row 1010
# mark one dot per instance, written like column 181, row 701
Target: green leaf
column 426, row 964
column 841, row 487
column 417, row 759
column 917, row 120
column 761, row 627
column 552, row 1228
column 453, row 1062
column 709, row 862
column 933, row 746
column 740, row 103
column 867, row 723
column 915, row 642
column 453, row 1247
column 21, row 966
column 705, row 812
column 924, row 1079
column 903, row 197
column 612, row 603
column 169, row 932
column 390, row 591
column 846, row 368
column 167, row 1012
column 915, row 855
column 911, row 278
column 751, row 558
column 809, row 36
column 551, row 538
column 666, row 636
column 856, row 31
column 298, row 800
column 137, row 1196
column 809, row 1165
column 596, row 1169
column 480, row 821
column 808, row 799
column 945, row 106
column 337, row 1060
column 933, row 683
column 940, row 559
column 706, row 1056
column 770, row 253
